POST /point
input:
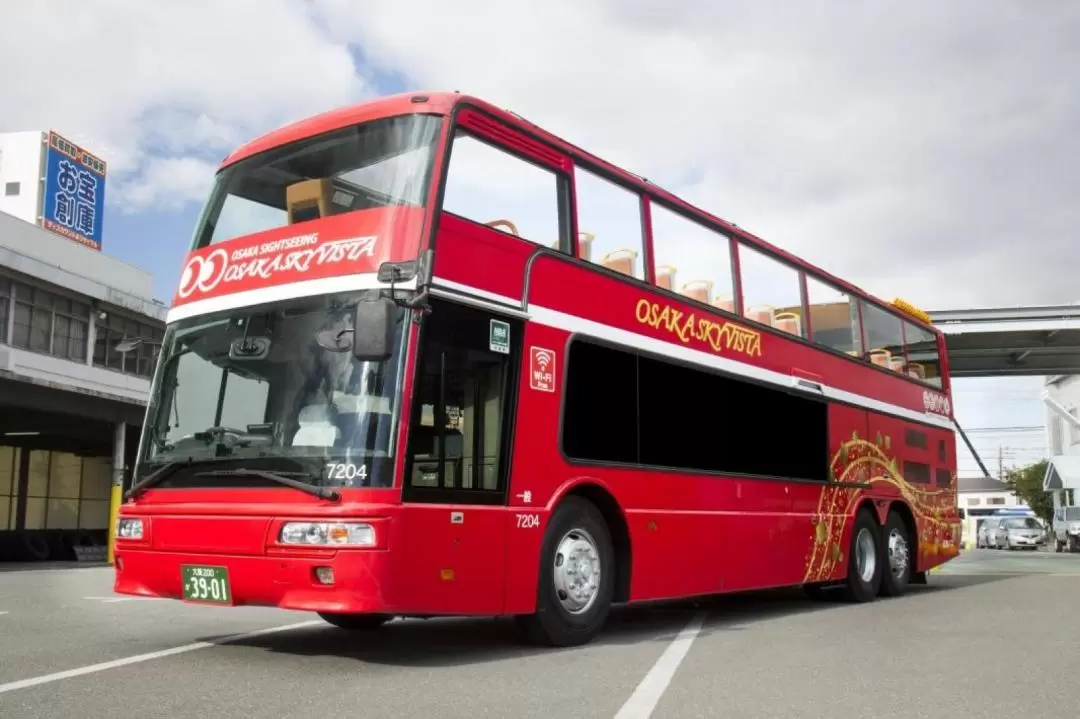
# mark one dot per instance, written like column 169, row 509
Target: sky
column 923, row 149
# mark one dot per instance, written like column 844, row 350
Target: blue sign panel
column 74, row 201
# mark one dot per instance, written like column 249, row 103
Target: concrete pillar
column 91, row 336
column 116, row 495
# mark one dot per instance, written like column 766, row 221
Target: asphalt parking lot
column 69, row 648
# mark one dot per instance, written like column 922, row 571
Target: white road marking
column 92, row 668
column 641, row 703
column 111, row 600
column 3, row 613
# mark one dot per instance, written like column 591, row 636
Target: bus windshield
column 273, row 388
column 376, row 164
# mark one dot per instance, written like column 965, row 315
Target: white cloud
column 152, row 85
column 167, row 183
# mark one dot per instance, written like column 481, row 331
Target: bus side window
column 494, row 188
column 609, row 220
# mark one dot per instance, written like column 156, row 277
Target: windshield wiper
column 279, row 477
column 151, row 479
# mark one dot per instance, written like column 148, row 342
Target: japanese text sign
column 74, row 194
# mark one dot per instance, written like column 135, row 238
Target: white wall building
column 1062, row 398
column 21, row 171
column 1063, row 435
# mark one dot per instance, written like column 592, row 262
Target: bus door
column 458, row 461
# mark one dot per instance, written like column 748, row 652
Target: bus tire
column 896, row 551
column 572, row 603
column 355, row 622
column 865, row 559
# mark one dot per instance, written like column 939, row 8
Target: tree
column 1027, row 483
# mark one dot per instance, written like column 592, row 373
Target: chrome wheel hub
column 576, row 571
column 898, row 553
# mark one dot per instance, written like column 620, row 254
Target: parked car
column 1017, row 533
column 1066, row 529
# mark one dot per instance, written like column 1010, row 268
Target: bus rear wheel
column 865, row 565
column 577, row 579
column 896, row 574
column 355, row 622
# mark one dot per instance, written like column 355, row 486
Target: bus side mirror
column 373, row 330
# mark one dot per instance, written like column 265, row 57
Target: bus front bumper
column 341, row 582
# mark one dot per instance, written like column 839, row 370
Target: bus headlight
column 129, row 528
column 328, row 534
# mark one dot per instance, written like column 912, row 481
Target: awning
column 1062, row 472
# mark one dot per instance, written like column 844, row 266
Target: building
column 71, row 401
column 1061, row 395
column 1062, row 417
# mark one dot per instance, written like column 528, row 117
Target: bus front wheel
column 355, row 622
column 577, row 565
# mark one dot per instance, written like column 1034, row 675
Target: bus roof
column 443, row 103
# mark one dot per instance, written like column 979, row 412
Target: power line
column 1026, row 428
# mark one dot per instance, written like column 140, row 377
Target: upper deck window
column 923, row 354
column 609, row 224
column 376, row 164
column 504, row 192
column 884, row 337
column 771, row 291
column 834, row 317
column 692, row 259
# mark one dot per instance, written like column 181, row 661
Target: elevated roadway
column 1012, row 341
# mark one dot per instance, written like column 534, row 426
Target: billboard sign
column 73, row 204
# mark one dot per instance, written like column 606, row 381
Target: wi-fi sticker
column 541, row 369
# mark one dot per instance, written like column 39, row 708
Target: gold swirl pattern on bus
column 720, row 335
column 860, row 461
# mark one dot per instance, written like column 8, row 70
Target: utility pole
column 1001, row 463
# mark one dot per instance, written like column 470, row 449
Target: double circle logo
column 203, row 273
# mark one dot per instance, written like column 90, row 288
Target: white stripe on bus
column 276, row 293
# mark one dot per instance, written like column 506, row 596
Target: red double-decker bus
column 426, row 358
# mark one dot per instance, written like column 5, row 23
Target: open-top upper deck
column 446, row 104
